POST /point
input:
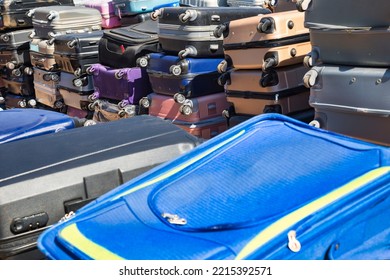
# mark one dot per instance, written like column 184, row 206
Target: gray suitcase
column 62, row 172
column 14, row 13
column 14, row 48
column 357, row 47
column 354, row 101
column 49, row 22
column 345, row 13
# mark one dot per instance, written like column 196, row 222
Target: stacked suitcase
column 184, row 74
column 348, row 81
column 263, row 67
column 119, row 83
column 63, row 45
column 17, row 84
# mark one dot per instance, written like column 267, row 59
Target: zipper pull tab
column 174, row 219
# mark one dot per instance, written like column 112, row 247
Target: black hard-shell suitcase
column 14, row 13
column 74, row 53
column 190, row 31
column 350, row 14
column 49, row 22
column 18, row 81
column 75, row 91
column 63, row 171
column 120, row 47
column 368, row 47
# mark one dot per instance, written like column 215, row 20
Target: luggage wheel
column 302, row 5
column 89, row 70
column 92, row 97
column 50, row 41
column 54, row 77
column 2, row 100
column 222, row 66
column 22, row 103
column 316, row 123
column 89, row 123
column 77, row 73
column 51, row 15
column 119, row 74
column 156, row 14
column 58, row 104
column 219, row 30
column 175, row 70
column 309, row 79
column 78, row 82
column 189, row 15
column 265, row 26
column 269, row 63
column 310, row 58
column 4, row 37
column 31, row 35
column 10, row 65
column 186, row 108
column 30, row 13
column 142, row 61
column 229, row 112
column 179, row 98
column 71, row 44
column 96, row 103
column 128, row 111
column 144, row 102
column 269, row 78
column 223, row 79
column 16, row 72
column 28, row 71
column 122, row 104
column 32, row 103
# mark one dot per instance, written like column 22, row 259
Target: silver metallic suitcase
column 354, row 101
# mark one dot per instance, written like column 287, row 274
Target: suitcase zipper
column 269, row 43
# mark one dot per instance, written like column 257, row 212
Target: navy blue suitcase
column 182, row 78
column 269, row 188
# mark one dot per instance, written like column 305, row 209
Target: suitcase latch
column 174, row 219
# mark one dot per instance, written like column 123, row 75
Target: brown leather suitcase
column 264, row 41
column 280, row 90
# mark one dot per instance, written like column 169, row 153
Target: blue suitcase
column 182, row 78
column 18, row 124
column 269, row 188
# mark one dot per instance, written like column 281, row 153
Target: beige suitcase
column 264, row 41
column 42, row 54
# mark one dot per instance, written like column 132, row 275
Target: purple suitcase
column 126, row 85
